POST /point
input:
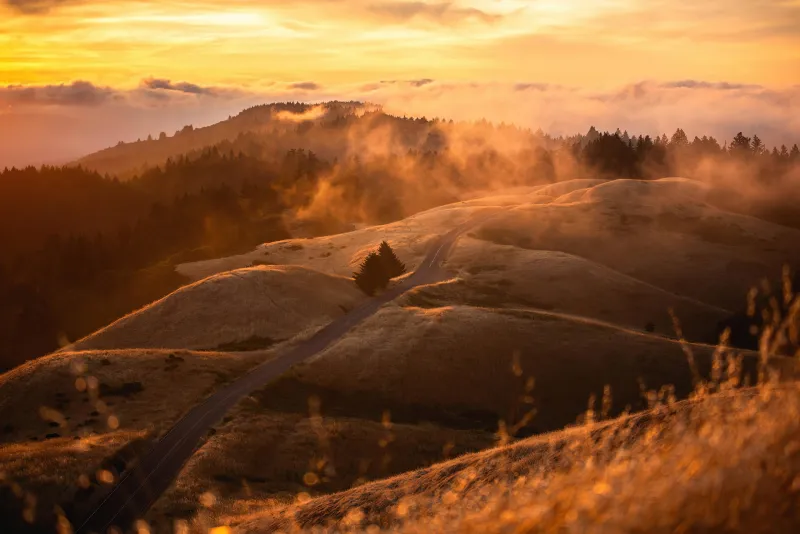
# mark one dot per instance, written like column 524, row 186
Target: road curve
column 139, row 488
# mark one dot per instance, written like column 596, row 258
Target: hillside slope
column 681, row 245
column 687, row 466
column 258, row 306
column 545, row 312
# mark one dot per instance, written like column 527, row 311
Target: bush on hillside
column 371, row 276
column 377, row 269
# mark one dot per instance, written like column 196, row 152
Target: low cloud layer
column 79, row 93
column 305, row 86
column 441, row 12
column 34, row 6
column 182, row 87
column 61, row 122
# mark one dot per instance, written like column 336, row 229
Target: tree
column 679, row 138
column 757, row 146
column 162, row 136
column 392, row 265
column 371, row 275
column 740, row 144
column 795, row 153
column 784, row 152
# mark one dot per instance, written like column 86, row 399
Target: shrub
column 378, row 268
column 371, row 276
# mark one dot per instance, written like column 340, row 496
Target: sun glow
column 560, row 41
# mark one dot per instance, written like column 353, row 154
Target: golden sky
column 253, row 43
column 80, row 75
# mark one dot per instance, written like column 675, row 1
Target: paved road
column 130, row 499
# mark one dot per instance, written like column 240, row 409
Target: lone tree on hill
column 377, row 269
column 391, row 263
column 371, row 275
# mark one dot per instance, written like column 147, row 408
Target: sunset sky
column 78, row 75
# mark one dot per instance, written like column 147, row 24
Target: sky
column 80, row 75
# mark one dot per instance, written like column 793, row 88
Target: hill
column 533, row 323
column 77, row 394
column 684, row 245
column 125, row 159
column 249, row 308
column 681, row 466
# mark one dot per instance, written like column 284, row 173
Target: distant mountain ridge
column 126, row 159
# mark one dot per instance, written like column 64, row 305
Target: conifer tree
column 392, row 265
column 757, row 146
column 371, row 275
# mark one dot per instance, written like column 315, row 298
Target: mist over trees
column 83, row 245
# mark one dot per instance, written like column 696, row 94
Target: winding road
column 141, row 486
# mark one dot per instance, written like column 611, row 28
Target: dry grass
column 79, row 394
column 478, row 361
column 659, row 232
column 268, row 302
column 461, row 355
column 35, row 477
column 259, row 455
column 491, row 275
column 727, row 460
column 718, row 464
column 69, row 416
column 341, row 254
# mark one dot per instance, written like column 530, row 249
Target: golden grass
column 268, row 302
column 43, row 475
column 78, row 394
column 258, row 455
column 726, row 460
column 501, row 276
column 574, row 325
column 727, row 463
column 461, row 358
column 659, row 231
column 655, row 232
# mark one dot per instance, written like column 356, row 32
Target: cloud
column 374, row 86
column 312, row 114
column 442, row 12
column 531, row 86
column 183, row 87
column 696, row 84
column 420, row 83
column 30, row 7
column 78, row 93
column 649, row 107
column 305, row 86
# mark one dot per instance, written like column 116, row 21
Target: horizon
column 121, row 70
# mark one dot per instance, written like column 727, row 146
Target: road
column 139, row 488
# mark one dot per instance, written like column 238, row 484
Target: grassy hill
column 543, row 313
column 717, row 464
column 245, row 309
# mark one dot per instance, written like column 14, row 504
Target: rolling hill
column 543, row 308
